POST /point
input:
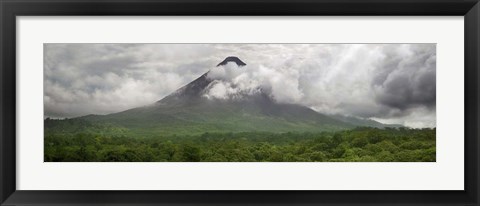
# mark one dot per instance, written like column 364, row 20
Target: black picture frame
column 10, row 9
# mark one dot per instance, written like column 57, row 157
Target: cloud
column 244, row 80
column 407, row 78
column 388, row 82
column 81, row 79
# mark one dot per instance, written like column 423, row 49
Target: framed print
column 239, row 103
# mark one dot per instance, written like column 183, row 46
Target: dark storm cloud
column 393, row 83
column 405, row 82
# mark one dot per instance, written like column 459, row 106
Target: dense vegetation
column 106, row 143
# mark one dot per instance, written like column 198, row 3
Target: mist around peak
column 230, row 81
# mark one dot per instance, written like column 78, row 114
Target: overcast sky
column 391, row 83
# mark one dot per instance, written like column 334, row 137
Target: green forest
column 105, row 143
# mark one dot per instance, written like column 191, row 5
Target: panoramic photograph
column 239, row 102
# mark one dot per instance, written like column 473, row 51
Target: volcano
column 188, row 110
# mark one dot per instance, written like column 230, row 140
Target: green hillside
column 219, row 116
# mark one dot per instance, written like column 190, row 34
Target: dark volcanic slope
column 188, row 111
column 188, row 93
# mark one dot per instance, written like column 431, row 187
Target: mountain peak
column 234, row 59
